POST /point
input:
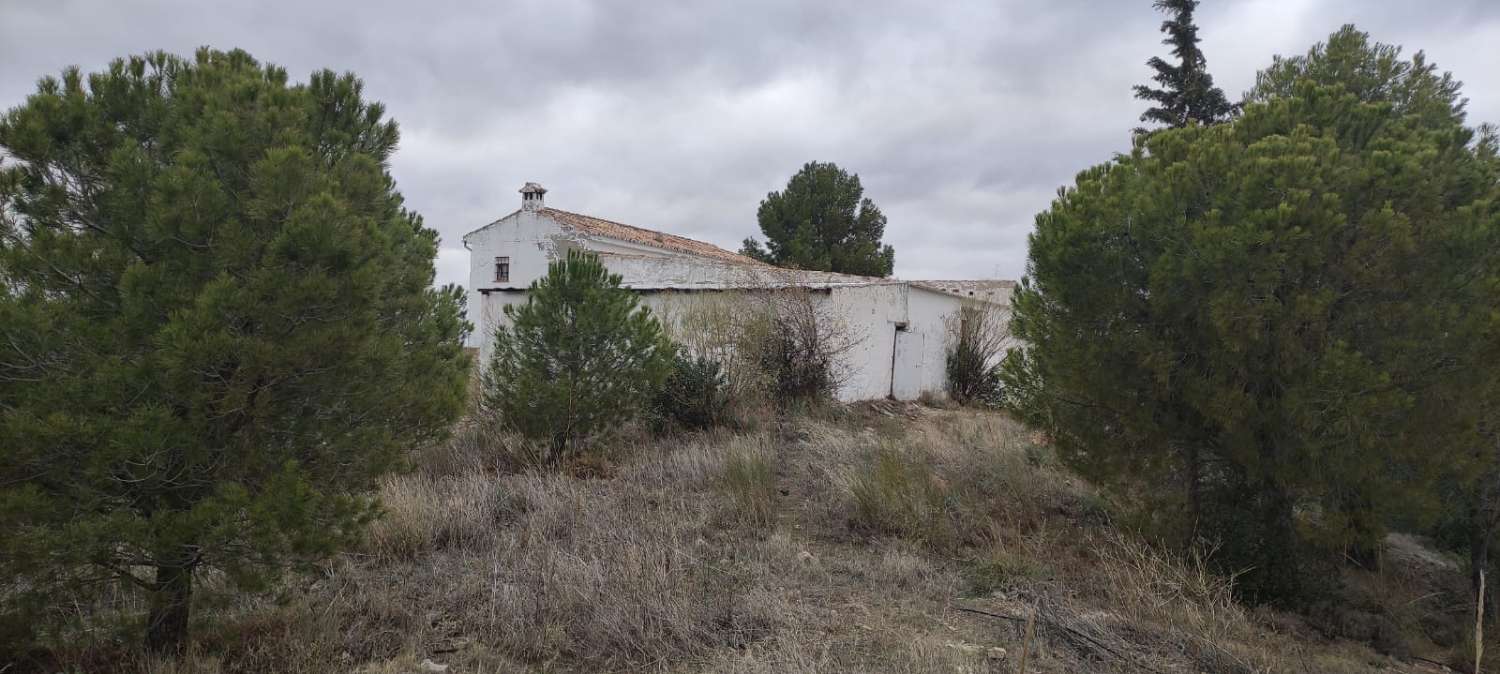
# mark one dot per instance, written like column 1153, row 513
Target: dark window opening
column 502, row 270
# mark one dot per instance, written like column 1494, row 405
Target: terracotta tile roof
column 614, row 230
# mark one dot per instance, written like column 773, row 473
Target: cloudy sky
column 961, row 118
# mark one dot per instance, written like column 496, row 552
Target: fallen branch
column 1053, row 624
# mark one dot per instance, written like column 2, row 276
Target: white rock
column 430, row 666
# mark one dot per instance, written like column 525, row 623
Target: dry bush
column 807, row 349
column 978, row 336
column 775, row 344
column 733, row 332
column 726, row 329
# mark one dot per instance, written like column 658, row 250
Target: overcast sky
column 961, row 118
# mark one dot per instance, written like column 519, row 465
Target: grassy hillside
column 885, row 538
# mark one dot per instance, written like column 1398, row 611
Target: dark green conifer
column 578, row 358
column 823, row 222
column 217, row 329
column 1277, row 326
column 1187, row 93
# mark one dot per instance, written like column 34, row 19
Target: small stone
column 996, row 653
column 806, row 557
column 429, row 666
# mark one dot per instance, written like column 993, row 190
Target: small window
column 502, row 270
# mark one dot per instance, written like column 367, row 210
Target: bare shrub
column 773, row 341
column 978, row 336
column 806, row 350
column 731, row 331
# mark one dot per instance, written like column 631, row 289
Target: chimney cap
column 533, row 188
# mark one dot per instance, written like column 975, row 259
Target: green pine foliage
column 823, row 222
column 1275, row 326
column 580, row 357
column 1373, row 73
column 1187, row 93
column 695, row 395
column 218, row 330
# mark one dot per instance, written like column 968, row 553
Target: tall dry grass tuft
column 976, row 481
column 896, row 493
column 749, row 483
column 421, row 513
column 1156, row 586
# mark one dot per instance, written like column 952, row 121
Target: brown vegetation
column 886, row 538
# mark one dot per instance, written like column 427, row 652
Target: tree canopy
column 1186, row 91
column 579, row 357
column 217, row 328
column 823, row 222
column 1286, row 315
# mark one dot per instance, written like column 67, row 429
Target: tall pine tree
column 218, row 329
column 823, row 222
column 1286, row 315
column 1187, row 92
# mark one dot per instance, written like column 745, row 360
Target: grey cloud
column 962, row 118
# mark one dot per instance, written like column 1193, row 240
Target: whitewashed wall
column 867, row 312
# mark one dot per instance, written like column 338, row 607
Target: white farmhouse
column 899, row 330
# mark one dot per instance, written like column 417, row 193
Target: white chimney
column 531, row 197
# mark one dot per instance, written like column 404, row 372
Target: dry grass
column 749, row 483
column 842, row 542
column 421, row 513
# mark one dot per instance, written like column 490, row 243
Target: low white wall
column 865, row 318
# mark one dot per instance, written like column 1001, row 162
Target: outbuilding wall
column 896, row 333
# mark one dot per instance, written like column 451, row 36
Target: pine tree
column 1286, row 315
column 218, row 329
column 578, row 358
column 822, row 222
column 1187, row 92
column 1373, row 73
